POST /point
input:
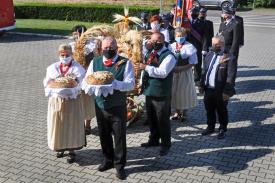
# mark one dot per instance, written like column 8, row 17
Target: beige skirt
column 65, row 124
column 88, row 103
column 184, row 94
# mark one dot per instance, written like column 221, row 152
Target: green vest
column 118, row 98
column 158, row 87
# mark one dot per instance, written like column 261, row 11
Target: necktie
column 108, row 62
column 152, row 57
column 210, row 69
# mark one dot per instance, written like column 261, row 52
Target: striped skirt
column 184, row 94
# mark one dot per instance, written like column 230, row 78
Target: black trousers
column 113, row 121
column 197, row 67
column 158, row 113
column 214, row 103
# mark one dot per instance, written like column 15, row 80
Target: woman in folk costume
column 183, row 91
column 64, row 120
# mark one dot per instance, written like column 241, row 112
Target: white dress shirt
column 212, row 75
column 165, row 32
column 164, row 68
column 128, row 82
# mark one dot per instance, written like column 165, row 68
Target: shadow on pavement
column 254, row 86
column 10, row 38
column 255, row 73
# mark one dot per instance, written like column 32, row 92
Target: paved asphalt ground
column 245, row 155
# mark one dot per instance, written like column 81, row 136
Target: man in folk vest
column 111, row 110
column 157, row 86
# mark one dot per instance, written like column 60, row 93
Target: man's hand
column 225, row 97
column 204, row 53
column 142, row 66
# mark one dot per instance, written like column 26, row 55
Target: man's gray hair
column 113, row 40
column 219, row 37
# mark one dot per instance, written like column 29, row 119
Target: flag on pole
column 181, row 13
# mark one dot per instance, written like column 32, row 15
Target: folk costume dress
column 65, row 127
column 183, row 90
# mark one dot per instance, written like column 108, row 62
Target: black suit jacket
column 225, row 75
column 241, row 28
column 209, row 33
column 231, row 35
column 171, row 30
column 199, row 26
column 142, row 27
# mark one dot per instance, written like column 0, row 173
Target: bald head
column 157, row 37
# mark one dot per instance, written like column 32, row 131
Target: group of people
column 172, row 68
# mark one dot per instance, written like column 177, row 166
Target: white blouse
column 53, row 72
column 187, row 50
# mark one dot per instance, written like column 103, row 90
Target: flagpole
column 161, row 8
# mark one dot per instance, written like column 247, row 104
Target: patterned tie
column 210, row 69
column 151, row 57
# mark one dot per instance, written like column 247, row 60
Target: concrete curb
column 41, row 35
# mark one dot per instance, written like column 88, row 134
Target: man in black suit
column 144, row 16
column 217, row 83
column 171, row 14
column 231, row 32
column 166, row 26
column 209, row 30
column 197, row 36
column 240, row 24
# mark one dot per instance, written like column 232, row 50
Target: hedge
column 69, row 12
column 265, row 3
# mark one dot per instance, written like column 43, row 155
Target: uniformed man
column 209, row 30
column 167, row 28
column 231, row 32
column 198, row 38
column 239, row 20
column 144, row 16
column 240, row 24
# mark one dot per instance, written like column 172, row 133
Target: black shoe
column 175, row 117
column 164, row 151
column 106, row 166
column 149, row 144
column 221, row 134
column 71, row 158
column 207, row 131
column 121, row 174
column 60, row 155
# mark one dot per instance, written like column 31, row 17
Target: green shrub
column 84, row 12
column 265, row 3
